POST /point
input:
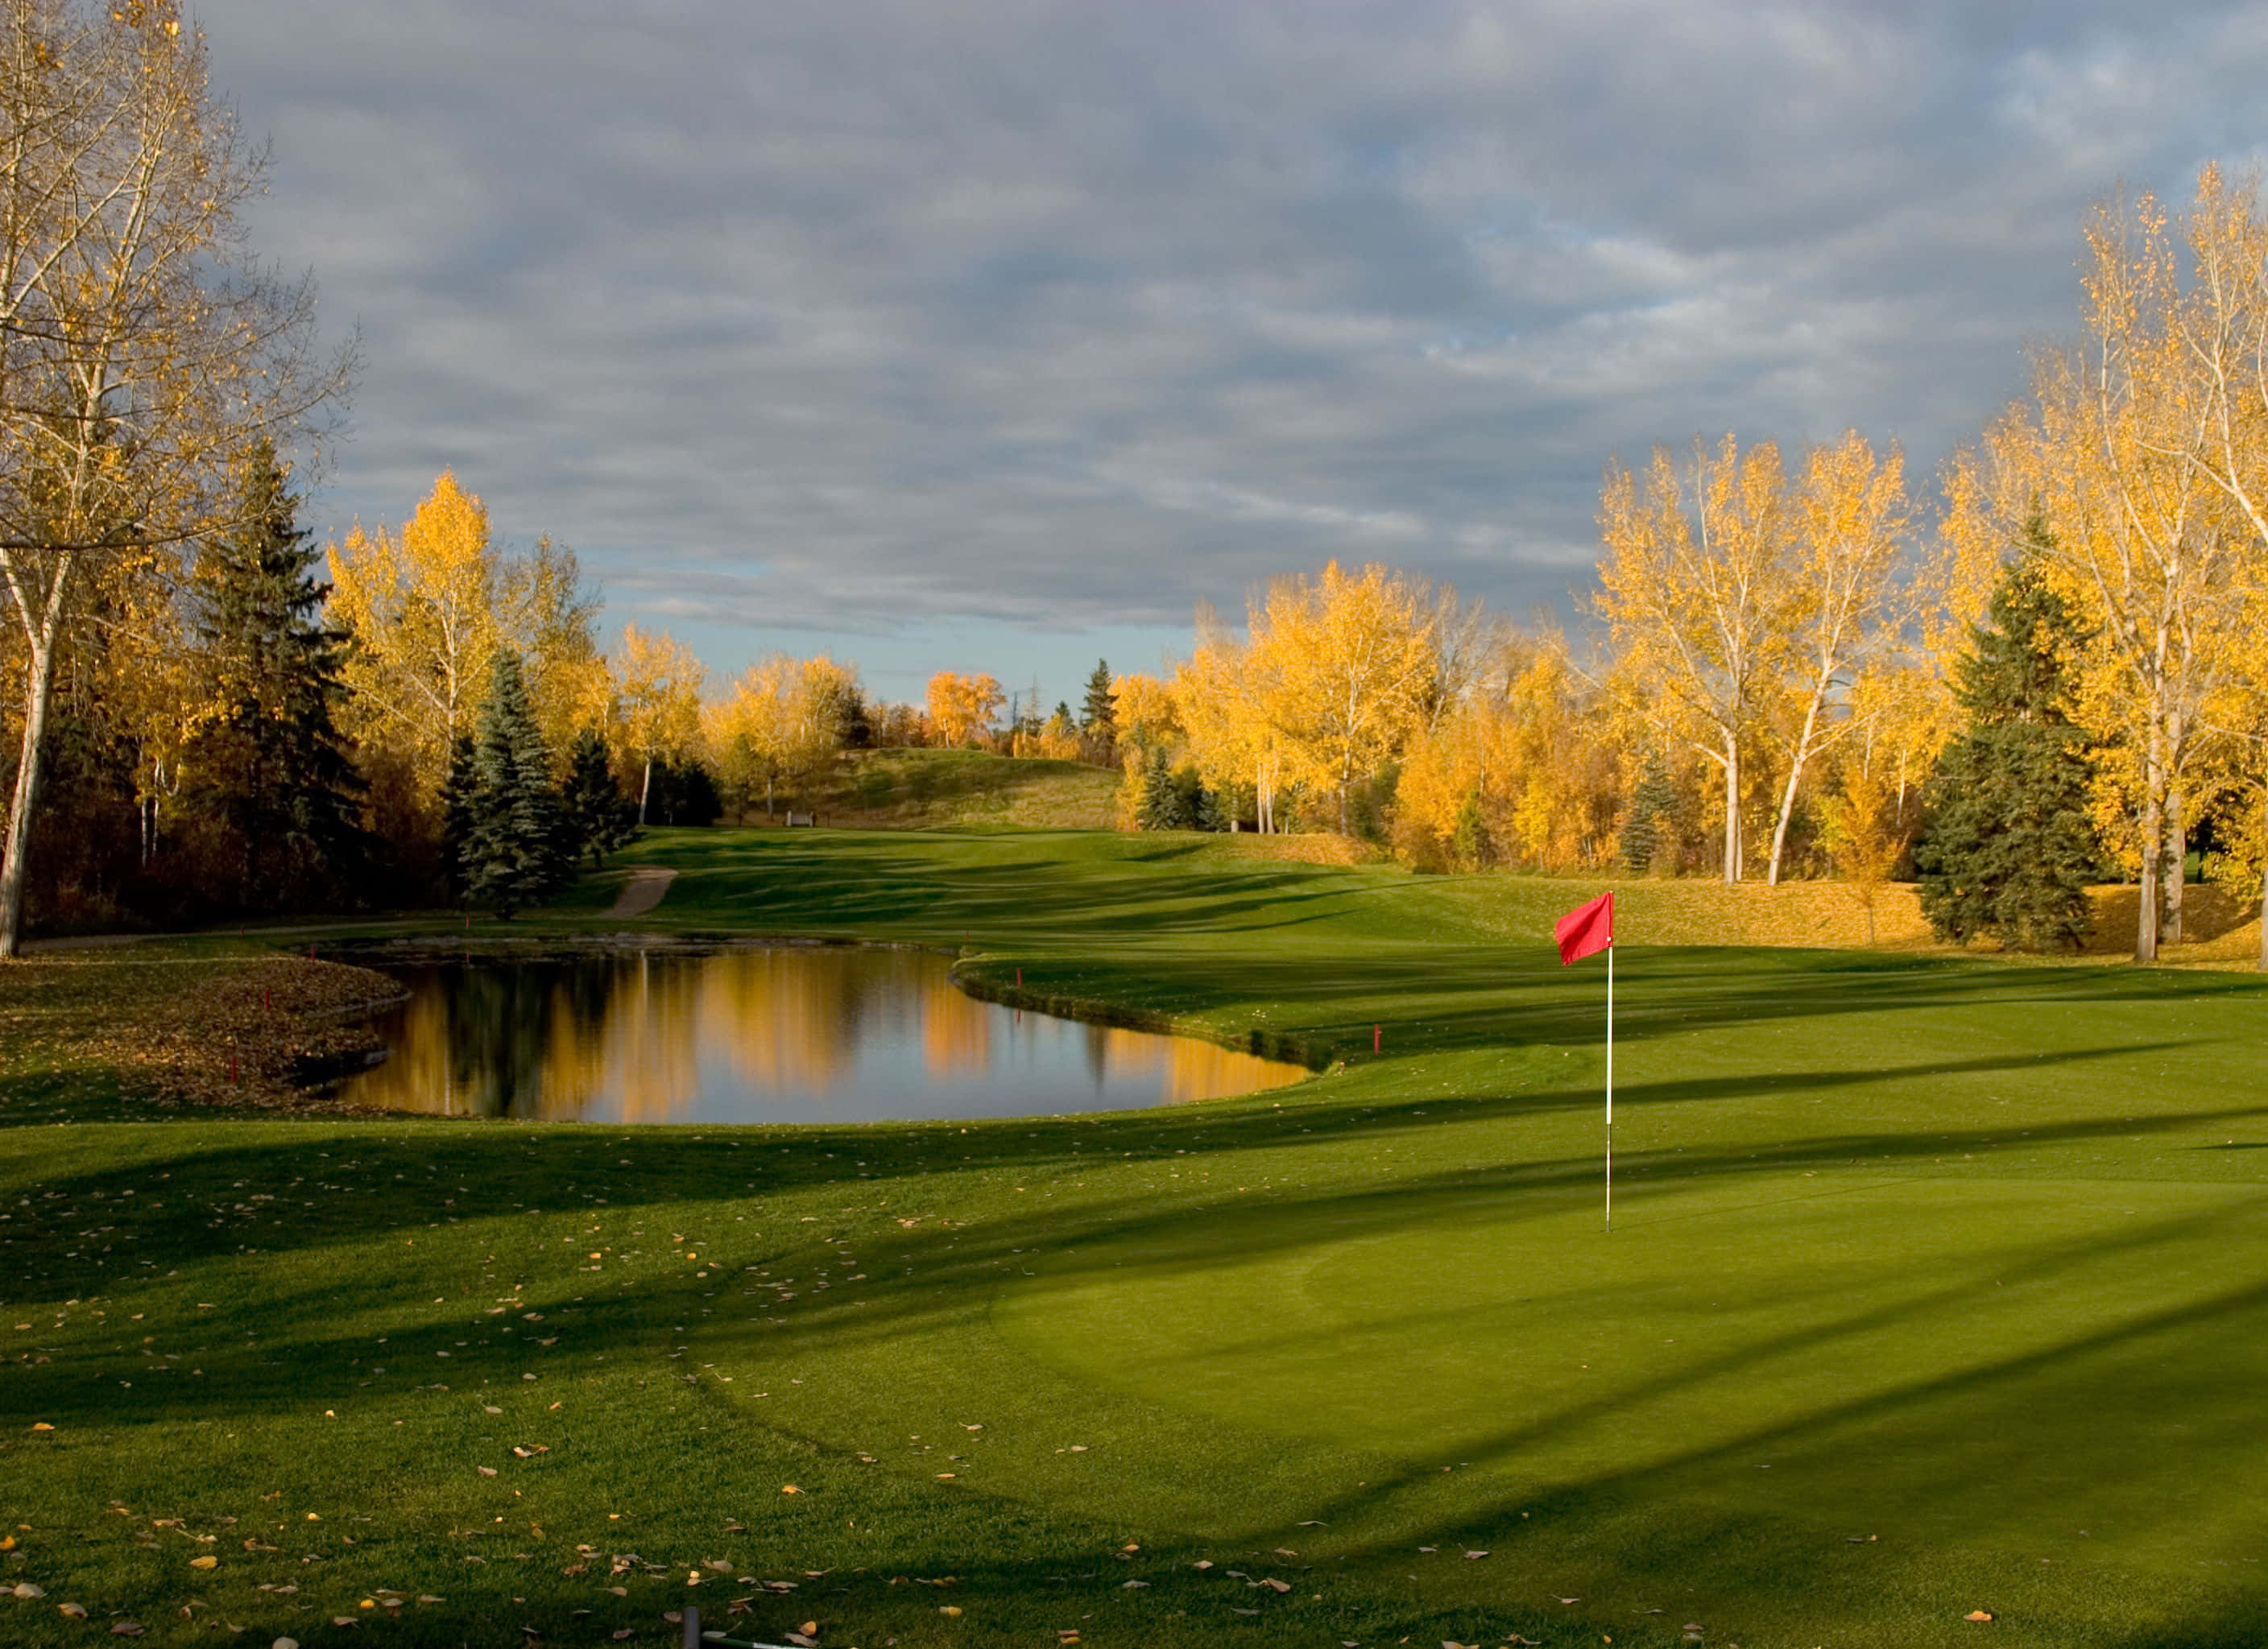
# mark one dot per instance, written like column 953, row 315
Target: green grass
column 1936, row 1284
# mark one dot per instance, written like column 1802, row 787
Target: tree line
column 2060, row 676
column 2056, row 676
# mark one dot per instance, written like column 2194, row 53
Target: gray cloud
column 896, row 323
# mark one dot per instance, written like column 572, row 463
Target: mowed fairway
column 1936, row 1285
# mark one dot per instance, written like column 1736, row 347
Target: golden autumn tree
column 1146, row 713
column 422, row 606
column 144, row 353
column 657, row 702
column 1520, row 770
column 1698, row 591
column 785, row 720
column 1849, row 533
column 962, row 706
column 551, row 618
column 1350, row 668
column 2142, row 539
column 2224, row 329
column 1222, row 699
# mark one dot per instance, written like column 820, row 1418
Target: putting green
column 1833, row 1335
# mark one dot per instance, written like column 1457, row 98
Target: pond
column 801, row 1033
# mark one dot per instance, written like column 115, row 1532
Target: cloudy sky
column 993, row 334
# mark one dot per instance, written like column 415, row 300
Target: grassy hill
column 933, row 790
column 1938, row 1286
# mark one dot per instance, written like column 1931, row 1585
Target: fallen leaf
column 1277, row 1586
column 284, row 1643
column 1130, row 1585
column 790, row 1488
column 951, row 1610
column 25, row 1589
column 1203, row 1563
column 486, row 1471
column 124, row 1628
column 42, row 1426
column 71, row 1611
column 427, row 1597
column 206, row 1562
column 1976, row 1614
column 1475, row 1554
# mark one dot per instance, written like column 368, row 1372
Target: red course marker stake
column 1375, row 1032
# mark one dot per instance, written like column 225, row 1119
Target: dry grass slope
column 2221, row 930
column 947, row 790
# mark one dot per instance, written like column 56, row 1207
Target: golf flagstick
column 1581, row 932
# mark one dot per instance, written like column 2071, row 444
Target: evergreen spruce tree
column 1469, row 836
column 458, row 788
column 511, row 857
column 2010, row 849
column 1098, row 718
column 1211, row 812
column 276, row 770
column 1161, row 802
column 1650, row 809
column 594, row 816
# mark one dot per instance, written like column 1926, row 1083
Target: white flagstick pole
column 1610, row 1084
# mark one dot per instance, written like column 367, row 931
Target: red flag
column 1582, row 931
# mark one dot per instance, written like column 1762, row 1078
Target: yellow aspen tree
column 820, row 706
column 1849, row 533
column 422, row 606
column 1147, row 714
column 1861, row 835
column 658, row 695
column 1697, row 594
column 1351, row 663
column 1059, row 738
column 143, row 354
column 2225, row 329
column 550, row 617
column 2141, row 534
column 1221, row 698
column 746, row 730
column 962, row 706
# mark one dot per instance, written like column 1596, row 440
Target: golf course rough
column 1938, row 1288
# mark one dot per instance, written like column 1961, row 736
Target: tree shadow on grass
column 1952, row 1463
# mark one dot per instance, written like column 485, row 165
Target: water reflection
column 792, row 1035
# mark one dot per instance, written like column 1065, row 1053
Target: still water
column 792, row 1035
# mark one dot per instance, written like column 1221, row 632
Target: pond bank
column 182, row 1030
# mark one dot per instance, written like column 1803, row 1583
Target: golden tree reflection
column 652, row 1038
